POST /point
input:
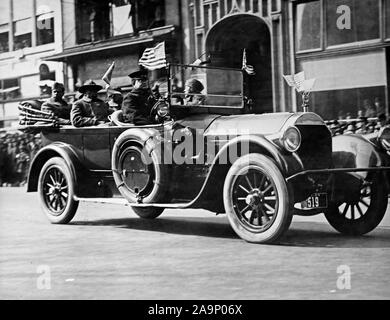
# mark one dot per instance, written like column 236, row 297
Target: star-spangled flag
column 298, row 82
column 154, row 58
column 248, row 68
column 108, row 75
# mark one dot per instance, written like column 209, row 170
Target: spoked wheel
column 56, row 190
column 360, row 214
column 256, row 199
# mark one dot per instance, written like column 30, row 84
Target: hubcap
column 134, row 170
column 255, row 200
column 55, row 188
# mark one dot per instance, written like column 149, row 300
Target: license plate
column 316, row 201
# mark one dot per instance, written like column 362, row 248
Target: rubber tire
column 366, row 223
column 71, row 207
column 283, row 216
column 147, row 213
column 161, row 186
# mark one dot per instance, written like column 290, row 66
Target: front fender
column 210, row 196
column 252, row 144
column 56, row 149
column 354, row 151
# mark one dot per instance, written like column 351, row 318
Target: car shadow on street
column 203, row 227
column 300, row 234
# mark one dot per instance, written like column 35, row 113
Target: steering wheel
column 160, row 111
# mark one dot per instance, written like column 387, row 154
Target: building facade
column 344, row 44
column 97, row 33
column 30, row 31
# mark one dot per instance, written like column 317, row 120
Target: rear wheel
column 256, row 199
column 361, row 213
column 56, row 191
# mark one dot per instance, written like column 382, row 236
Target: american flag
column 154, row 58
column 248, row 68
column 298, row 82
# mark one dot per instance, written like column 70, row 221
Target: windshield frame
column 206, row 107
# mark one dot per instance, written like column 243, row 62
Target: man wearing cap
column 139, row 101
column 89, row 110
column 193, row 96
column 57, row 105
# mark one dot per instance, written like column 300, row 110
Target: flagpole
column 169, row 83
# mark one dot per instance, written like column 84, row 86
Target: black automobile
column 208, row 150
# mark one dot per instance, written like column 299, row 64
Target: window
column 308, row 25
column 4, row 12
column 93, row 20
column 44, row 22
column 198, row 17
column 22, row 9
column 149, row 14
column 23, row 23
column 45, row 29
column 364, row 21
column 46, row 79
column 121, row 10
column 4, row 38
column 9, row 89
column 4, row 26
column 22, row 34
column 387, row 19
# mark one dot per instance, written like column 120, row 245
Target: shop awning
column 141, row 38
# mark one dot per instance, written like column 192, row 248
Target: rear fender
column 56, row 149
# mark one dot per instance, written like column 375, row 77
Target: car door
column 96, row 148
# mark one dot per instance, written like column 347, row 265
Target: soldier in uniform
column 139, row 101
column 57, row 105
column 89, row 110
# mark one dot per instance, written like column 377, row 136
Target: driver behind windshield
column 137, row 105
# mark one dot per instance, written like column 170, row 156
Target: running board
column 122, row 201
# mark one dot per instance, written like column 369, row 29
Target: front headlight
column 384, row 138
column 291, row 139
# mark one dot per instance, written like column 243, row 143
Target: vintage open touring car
column 216, row 154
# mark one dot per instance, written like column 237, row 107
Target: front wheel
column 362, row 213
column 256, row 199
column 56, row 191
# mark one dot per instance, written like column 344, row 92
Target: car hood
column 267, row 123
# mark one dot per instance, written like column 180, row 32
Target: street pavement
column 107, row 252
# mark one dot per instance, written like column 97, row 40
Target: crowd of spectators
column 17, row 149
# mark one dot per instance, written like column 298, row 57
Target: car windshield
column 206, row 87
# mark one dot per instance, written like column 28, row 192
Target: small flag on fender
column 154, row 58
column 246, row 67
column 108, row 75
